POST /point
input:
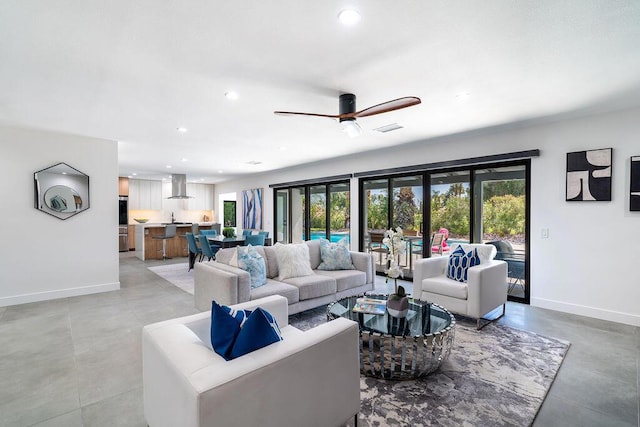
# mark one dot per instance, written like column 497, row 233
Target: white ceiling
column 134, row 71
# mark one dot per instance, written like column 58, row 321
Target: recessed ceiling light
column 129, row 176
column 219, row 171
column 349, row 17
column 182, row 130
column 283, row 148
column 463, row 96
column 184, row 159
column 168, row 166
column 231, row 95
column 134, row 174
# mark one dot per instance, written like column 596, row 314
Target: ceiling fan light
column 351, row 128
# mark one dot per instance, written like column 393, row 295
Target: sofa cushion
column 271, row 259
column 293, row 260
column 235, row 333
column 314, row 253
column 442, row 286
column 345, row 279
column 252, row 262
column 224, row 255
column 313, row 286
column 459, row 262
column 273, row 287
column 335, row 256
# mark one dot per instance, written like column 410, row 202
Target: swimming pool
column 334, row 238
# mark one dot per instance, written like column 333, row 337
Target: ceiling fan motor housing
column 347, row 104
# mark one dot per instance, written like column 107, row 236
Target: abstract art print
column 589, row 175
column 252, row 209
column 634, row 189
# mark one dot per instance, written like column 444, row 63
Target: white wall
column 588, row 265
column 42, row 257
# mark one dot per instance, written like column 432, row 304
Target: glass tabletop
column 370, row 312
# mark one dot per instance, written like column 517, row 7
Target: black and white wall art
column 634, row 189
column 589, row 175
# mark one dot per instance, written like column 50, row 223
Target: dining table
column 230, row 242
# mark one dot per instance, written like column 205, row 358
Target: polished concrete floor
column 77, row 362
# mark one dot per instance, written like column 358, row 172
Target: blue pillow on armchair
column 459, row 263
column 238, row 332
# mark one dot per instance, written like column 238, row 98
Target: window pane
column 502, row 219
column 318, row 207
column 407, row 214
column 450, row 206
column 297, row 214
column 339, row 211
column 375, row 202
column 282, row 213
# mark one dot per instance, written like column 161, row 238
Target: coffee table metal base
column 403, row 358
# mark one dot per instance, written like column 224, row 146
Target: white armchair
column 310, row 378
column 484, row 291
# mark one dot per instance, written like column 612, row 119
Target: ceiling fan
column 347, row 111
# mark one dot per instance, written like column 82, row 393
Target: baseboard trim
column 583, row 310
column 58, row 293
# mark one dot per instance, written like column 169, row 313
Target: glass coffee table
column 398, row 348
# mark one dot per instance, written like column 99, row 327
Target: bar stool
column 169, row 233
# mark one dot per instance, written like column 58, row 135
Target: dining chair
column 207, row 250
column 254, row 240
column 193, row 248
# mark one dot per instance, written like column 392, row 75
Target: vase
column 398, row 307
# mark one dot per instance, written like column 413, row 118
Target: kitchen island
column 149, row 248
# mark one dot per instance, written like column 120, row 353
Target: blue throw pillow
column 459, row 263
column 238, row 332
column 260, row 330
column 253, row 263
column 335, row 256
column 224, row 330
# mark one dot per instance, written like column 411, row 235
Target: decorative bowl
column 141, row 220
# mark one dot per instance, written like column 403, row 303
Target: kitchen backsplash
column 165, row 216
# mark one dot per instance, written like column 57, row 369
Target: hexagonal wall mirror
column 61, row 191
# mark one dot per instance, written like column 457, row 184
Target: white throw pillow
column 293, row 260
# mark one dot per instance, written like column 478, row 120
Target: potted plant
column 398, row 303
column 228, row 232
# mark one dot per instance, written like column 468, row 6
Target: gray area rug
column 177, row 274
column 498, row 376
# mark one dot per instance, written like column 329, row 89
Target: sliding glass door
column 315, row 211
column 484, row 203
column 501, row 219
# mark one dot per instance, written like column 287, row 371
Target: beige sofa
column 310, row 378
column 216, row 280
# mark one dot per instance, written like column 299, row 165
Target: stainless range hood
column 179, row 186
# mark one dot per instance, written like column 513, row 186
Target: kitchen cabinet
column 123, row 186
column 202, row 197
column 145, row 195
column 132, row 240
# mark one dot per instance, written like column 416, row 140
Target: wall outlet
column 544, row 233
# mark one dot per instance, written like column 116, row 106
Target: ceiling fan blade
column 293, row 113
column 385, row 107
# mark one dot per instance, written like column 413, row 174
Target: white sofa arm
column 487, row 287
column 364, row 262
column 428, row 267
column 220, row 282
column 310, row 378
